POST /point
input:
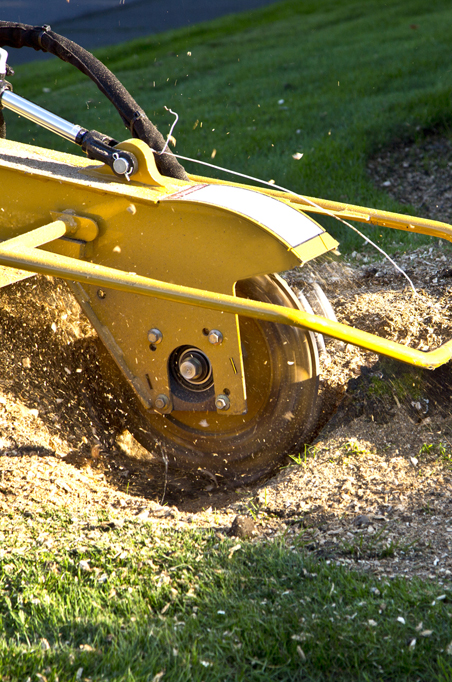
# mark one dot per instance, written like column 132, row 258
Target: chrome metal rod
column 38, row 115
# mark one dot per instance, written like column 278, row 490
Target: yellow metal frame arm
column 370, row 216
column 13, row 253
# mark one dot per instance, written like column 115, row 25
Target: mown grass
column 84, row 600
column 353, row 76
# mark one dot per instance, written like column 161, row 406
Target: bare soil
column 374, row 488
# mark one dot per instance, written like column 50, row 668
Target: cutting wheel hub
column 192, row 368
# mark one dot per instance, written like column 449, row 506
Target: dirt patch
column 419, row 175
column 373, row 490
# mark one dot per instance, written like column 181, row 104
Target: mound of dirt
column 373, row 489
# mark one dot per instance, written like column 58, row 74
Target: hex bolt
column 222, row 402
column 155, row 336
column 161, row 402
column 191, row 368
column 215, row 337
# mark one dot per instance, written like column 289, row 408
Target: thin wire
column 170, row 132
column 226, row 170
column 309, row 201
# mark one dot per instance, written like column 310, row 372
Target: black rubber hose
column 133, row 116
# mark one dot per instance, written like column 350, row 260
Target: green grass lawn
column 81, row 600
column 330, row 80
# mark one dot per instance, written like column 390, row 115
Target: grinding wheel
column 281, row 372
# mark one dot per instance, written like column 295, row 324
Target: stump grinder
column 176, row 273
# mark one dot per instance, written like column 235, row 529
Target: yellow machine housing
column 194, row 235
column 168, row 272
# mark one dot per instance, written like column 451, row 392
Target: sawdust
column 372, row 491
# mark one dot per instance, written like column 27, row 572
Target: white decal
column 286, row 222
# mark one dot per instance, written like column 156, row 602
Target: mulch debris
column 373, row 490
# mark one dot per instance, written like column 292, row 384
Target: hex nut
column 155, row 336
column 215, row 337
column 222, row 402
column 161, row 402
column 191, row 369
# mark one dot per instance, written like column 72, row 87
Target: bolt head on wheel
column 215, row 337
column 191, row 368
column 155, row 336
column 222, row 402
column 161, row 402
